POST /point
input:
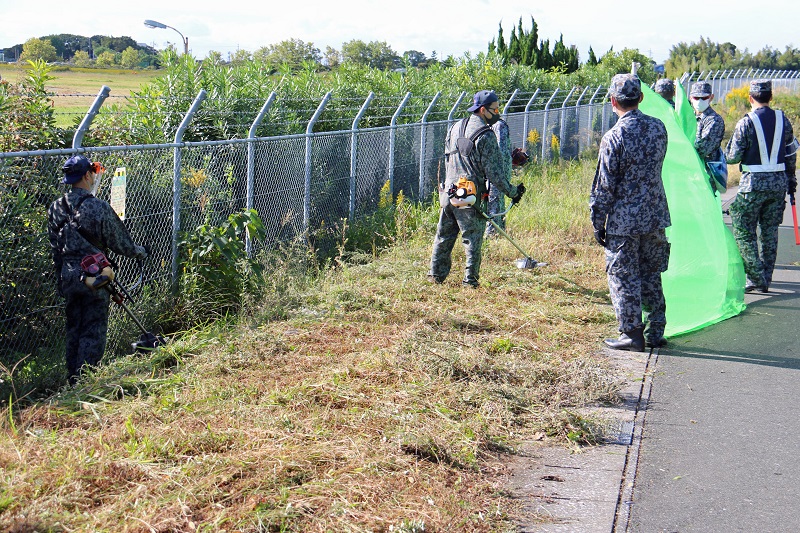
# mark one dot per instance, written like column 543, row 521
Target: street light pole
column 159, row 25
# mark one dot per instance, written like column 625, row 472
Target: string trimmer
column 98, row 274
column 526, row 262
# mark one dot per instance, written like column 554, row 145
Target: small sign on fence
column 119, row 185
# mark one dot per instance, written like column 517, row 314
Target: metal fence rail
column 298, row 183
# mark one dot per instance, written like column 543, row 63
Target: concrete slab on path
column 579, row 490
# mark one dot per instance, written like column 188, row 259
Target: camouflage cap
column 700, row 88
column 665, row 86
column 625, row 87
column 760, row 86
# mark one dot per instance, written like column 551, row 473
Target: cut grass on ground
column 379, row 403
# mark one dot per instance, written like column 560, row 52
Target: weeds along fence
column 299, row 183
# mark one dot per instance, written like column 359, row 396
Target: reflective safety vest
column 772, row 161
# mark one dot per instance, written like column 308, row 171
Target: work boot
column 659, row 342
column 632, row 341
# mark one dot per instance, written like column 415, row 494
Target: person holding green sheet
column 763, row 142
column 665, row 88
column 710, row 125
column 629, row 213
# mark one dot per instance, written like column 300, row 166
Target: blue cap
column 482, row 99
column 75, row 168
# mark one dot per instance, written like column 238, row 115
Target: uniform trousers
column 634, row 264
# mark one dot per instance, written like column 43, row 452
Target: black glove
column 600, row 236
column 147, row 250
column 520, row 192
column 792, row 188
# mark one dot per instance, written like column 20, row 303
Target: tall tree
column 38, row 49
column 592, row 60
column 291, row 52
column 375, row 54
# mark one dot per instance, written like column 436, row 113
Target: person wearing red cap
column 80, row 225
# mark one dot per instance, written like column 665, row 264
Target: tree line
column 706, row 55
column 79, row 50
column 524, row 47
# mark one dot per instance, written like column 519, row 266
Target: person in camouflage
column 79, row 224
column 665, row 88
column 497, row 200
column 768, row 173
column 710, row 126
column 629, row 214
column 483, row 164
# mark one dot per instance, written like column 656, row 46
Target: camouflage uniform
column 710, row 129
column 759, row 202
column 86, row 310
column 665, row 88
column 629, row 203
column 497, row 200
column 488, row 166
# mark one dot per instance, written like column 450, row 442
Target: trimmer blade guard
column 529, row 263
column 148, row 342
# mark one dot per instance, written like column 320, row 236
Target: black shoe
column 435, row 279
column 470, row 284
column 762, row 289
column 656, row 343
column 632, row 341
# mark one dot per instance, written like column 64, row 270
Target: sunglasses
column 97, row 167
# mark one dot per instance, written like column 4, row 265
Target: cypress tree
column 501, row 42
column 592, row 58
column 513, row 48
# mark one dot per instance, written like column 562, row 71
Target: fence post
column 77, row 140
column 591, row 115
column 354, row 153
column 561, row 124
column 251, row 150
column 545, row 142
column 176, row 180
column 309, row 130
column 526, row 121
column 422, row 137
column 578, row 120
column 454, row 108
column 392, row 135
column 508, row 103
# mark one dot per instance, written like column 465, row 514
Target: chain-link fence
column 297, row 183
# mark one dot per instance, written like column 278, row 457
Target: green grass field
column 74, row 89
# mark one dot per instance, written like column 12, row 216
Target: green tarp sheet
column 704, row 283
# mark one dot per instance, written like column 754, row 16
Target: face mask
column 701, row 105
column 494, row 117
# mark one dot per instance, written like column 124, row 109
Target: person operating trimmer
column 80, row 226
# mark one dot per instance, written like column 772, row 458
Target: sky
column 444, row 26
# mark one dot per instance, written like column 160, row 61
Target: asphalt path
column 720, row 446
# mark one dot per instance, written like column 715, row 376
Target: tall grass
column 354, row 396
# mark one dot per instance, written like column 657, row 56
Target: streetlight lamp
column 155, row 24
